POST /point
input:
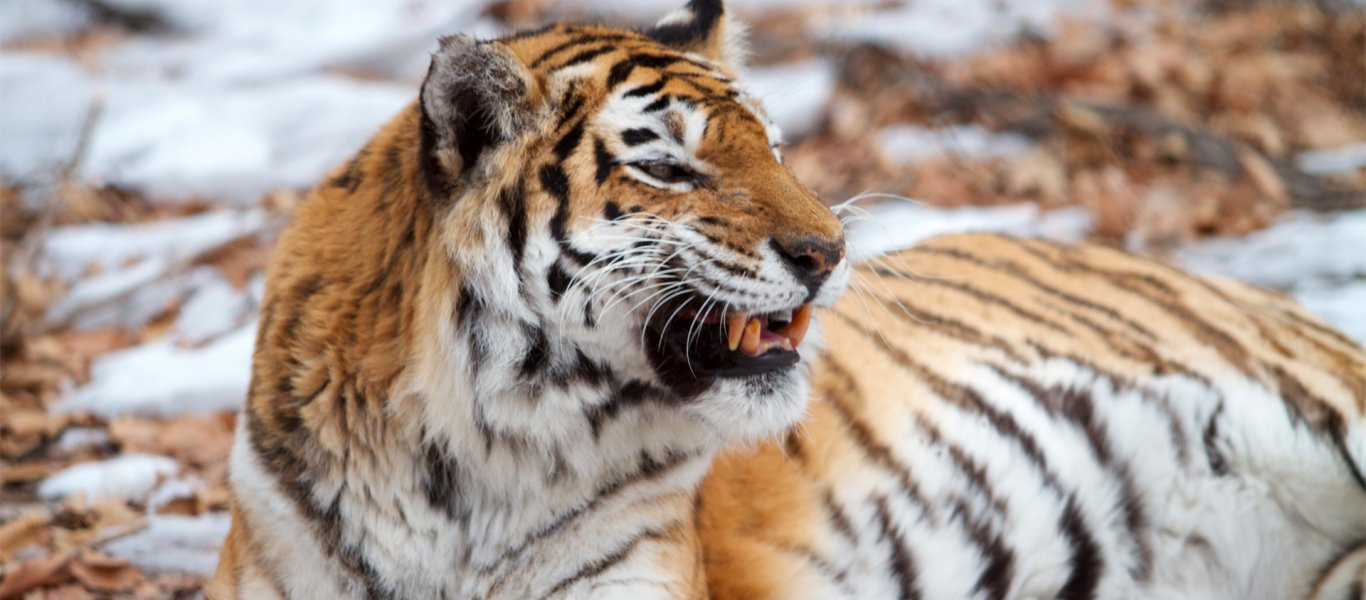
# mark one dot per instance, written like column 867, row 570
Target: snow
column 162, row 379
column 948, row 28
column 175, row 543
column 211, row 310
column 75, row 438
column 1301, row 249
column 28, row 18
column 906, row 144
column 71, row 251
column 1342, row 306
column 1318, row 259
column 1332, row 160
column 43, row 102
column 891, row 226
column 130, row 477
column 794, row 94
column 141, row 270
column 184, row 141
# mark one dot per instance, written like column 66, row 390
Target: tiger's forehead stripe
column 675, row 74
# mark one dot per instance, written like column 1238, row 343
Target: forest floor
column 151, row 151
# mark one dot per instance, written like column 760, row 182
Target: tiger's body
column 540, row 339
column 997, row 418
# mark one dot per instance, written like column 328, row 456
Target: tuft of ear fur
column 476, row 95
column 703, row 27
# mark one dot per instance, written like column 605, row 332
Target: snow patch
column 949, row 28
column 892, row 226
column 905, row 144
column 212, row 310
column 21, row 19
column 130, row 477
column 44, row 101
column 69, row 252
column 175, row 543
column 1343, row 306
column 1302, row 249
column 76, row 438
column 794, row 94
column 183, row 141
column 1332, row 160
column 162, row 379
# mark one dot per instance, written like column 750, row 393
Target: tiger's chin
column 741, row 373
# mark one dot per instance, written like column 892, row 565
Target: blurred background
column 151, row 150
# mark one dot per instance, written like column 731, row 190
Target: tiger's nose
column 810, row 259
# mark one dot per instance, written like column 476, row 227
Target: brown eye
column 666, row 171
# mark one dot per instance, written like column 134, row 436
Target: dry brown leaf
column 45, row 571
column 105, row 573
column 25, row 531
column 1263, row 175
column 69, row 592
column 27, row 472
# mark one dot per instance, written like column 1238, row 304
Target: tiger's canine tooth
column 796, row 330
column 749, row 343
column 735, row 328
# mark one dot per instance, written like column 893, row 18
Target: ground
column 150, row 151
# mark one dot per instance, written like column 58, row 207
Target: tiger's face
column 664, row 242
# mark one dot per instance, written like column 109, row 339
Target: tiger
column 568, row 327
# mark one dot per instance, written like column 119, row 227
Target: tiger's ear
column 476, row 95
column 703, row 27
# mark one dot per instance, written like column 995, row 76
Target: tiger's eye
column 663, row 171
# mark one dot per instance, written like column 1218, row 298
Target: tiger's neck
column 549, row 476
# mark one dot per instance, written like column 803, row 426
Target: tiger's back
column 1001, row 418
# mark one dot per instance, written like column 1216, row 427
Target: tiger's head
column 618, row 210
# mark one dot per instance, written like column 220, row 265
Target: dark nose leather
column 810, row 259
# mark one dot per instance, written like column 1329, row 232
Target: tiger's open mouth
column 733, row 344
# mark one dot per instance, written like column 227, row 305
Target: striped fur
column 456, row 392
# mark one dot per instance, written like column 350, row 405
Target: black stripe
column 637, row 136
column 293, row 474
column 633, row 393
column 537, row 354
column 604, row 563
column 526, row 33
column 1119, row 382
column 604, row 161
column 1077, row 406
column 863, row 437
column 569, row 142
column 970, row 468
column 902, row 565
column 554, row 181
column 586, row 56
column 620, row 71
column 441, row 484
column 512, row 201
column 647, row 468
column 945, row 326
column 576, row 41
column 838, row 518
column 647, row 89
column 999, row 569
column 1087, row 565
column 966, row 399
column 658, row 105
column 1017, row 271
column 557, row 280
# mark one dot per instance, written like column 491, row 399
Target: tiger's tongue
column 751, row 335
